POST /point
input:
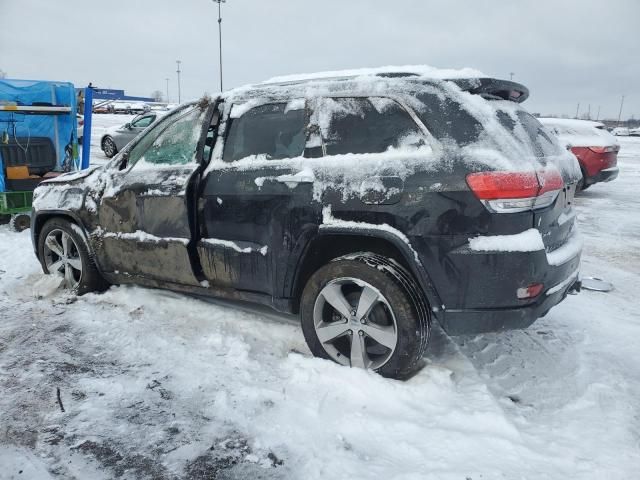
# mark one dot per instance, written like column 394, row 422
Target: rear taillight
column 604, row 149
column 532, row 291
column 512, row 192
column 80, row 122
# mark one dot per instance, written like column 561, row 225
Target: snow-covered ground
column 160, row 385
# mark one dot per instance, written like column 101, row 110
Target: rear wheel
column 582, row 184
column 20, row 222
column 109, row 147
column 364, row 310
column 63, row 251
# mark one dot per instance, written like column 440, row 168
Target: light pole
column 620, row 112
column 219, row 2
column 511, row 74
column 167, row 99
column 178, row 62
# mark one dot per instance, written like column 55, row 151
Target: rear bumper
column 488, row 282
column 604, row 175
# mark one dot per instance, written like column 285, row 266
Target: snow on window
column 295, row 104
column 174, row 142
column 269, row 130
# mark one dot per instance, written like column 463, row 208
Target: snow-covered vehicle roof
column 389, row 78
column 425, row 71
column 579, row 133
column 471, row 116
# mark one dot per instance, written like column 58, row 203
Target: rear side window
column 447, row 120
column 272, row 130
column 365, row 125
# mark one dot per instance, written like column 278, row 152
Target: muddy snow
column 147, row 384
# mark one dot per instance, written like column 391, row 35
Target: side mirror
column 128, row 126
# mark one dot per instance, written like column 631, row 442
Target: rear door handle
column 292, row 181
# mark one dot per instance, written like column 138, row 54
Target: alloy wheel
column 355, row 323
column 62, row 257
column 109, row 147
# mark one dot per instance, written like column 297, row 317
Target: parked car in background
column 80, row 126
column 115, row 138
column 634, row 132
column 368, row 204
column 101, row 109
column 596, row 148
column 620, row 131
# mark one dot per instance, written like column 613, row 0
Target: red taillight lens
column 80, row 122
column 604, row 149
column 494, row 185
column 550, row 180
column 516, row 191
column 532, row 291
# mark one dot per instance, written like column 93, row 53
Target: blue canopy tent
column 37, row 130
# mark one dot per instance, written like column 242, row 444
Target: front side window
column 274, row 131
column 172, row 142
column 365, row 125
column 143, row 122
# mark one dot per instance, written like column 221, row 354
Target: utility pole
column 219, row 2
column 598, row 115
column 589, row 112
column 620, row 112
column 178, row 62
column 511, row 74
column 167, row 99
column 578, row 110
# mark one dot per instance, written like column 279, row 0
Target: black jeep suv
column 368, row 204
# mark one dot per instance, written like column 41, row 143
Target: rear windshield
column 449, row 121
column 527, row 129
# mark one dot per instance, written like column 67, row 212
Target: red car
column 596, row 148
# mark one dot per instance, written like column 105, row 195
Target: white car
column 620, row 131
column 115, row 138
column 80, row 126
column 634, row 132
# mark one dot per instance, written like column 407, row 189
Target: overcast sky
column 565, row 51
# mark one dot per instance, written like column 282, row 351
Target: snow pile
column 527, row 241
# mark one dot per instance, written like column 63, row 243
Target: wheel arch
column 331, row 243
column 40, row 218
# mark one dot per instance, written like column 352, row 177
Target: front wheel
column 63, row 251
column 364, row 310
column 109, row 147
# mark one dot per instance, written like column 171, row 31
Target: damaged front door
column 146, row 213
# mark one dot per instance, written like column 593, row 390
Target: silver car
column 115, row 138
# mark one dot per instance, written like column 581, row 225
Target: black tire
column 109, row 147
column 20, row 222
column 90, row 278
column 398, row 287
column 582, row 184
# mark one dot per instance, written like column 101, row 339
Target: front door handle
column 292, row 181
